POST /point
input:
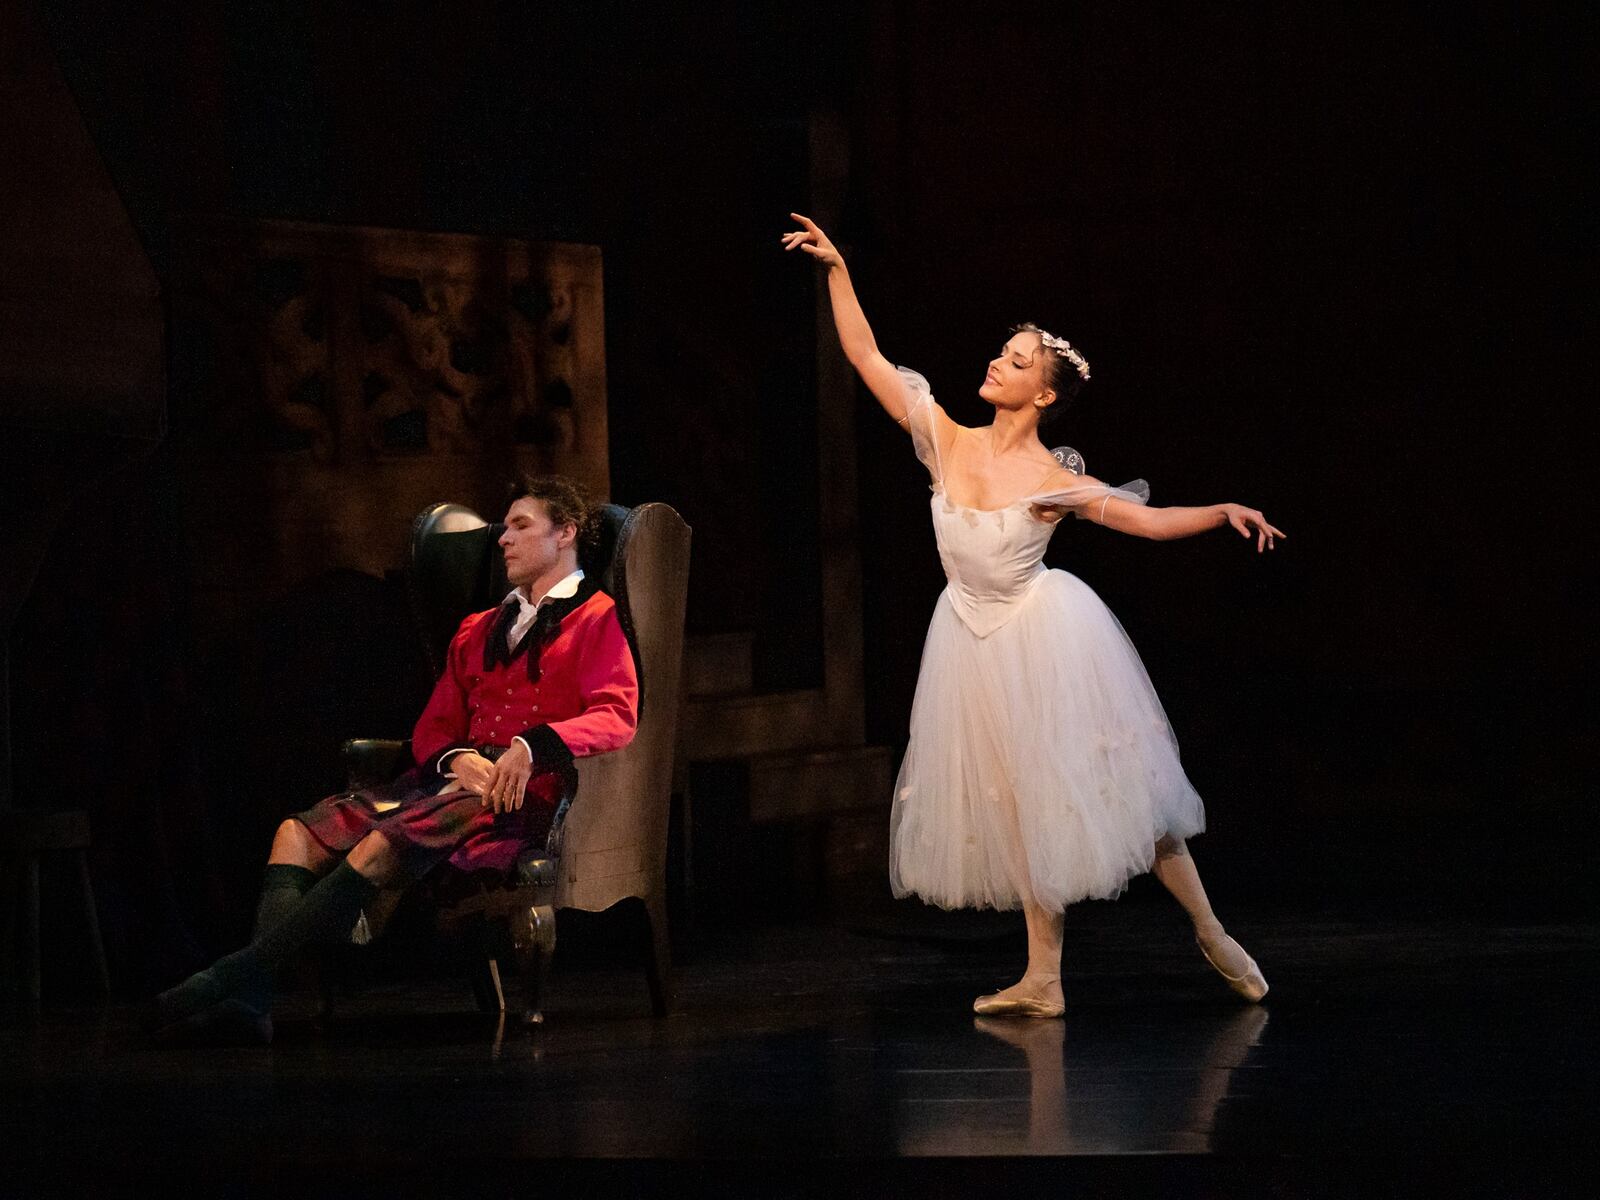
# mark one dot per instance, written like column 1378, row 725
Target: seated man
column 528, row 686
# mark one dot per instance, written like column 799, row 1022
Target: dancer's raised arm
column 855, row 335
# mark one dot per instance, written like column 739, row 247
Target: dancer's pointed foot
column 1031, row 996
column 1229, row 960
column 229, row 1022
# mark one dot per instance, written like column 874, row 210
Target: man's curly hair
column 563, row 499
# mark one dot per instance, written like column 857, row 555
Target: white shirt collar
column 560, row 590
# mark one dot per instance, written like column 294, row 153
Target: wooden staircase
column 802, row 757
column 783, row 796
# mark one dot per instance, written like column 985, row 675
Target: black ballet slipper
column 229, row 1022
column 234, row 977
column 195, row 994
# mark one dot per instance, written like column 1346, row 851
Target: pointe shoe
column 1252, row 985
column 998, row 1005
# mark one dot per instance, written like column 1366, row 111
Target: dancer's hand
column 509, row 787
column 472, row 770
column 1248, row 521
column 812, row 241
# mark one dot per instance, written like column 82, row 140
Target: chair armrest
column 536, row 870
column 371, row 761
column 531, row 882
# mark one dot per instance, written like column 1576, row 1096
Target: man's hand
column 473, row 771
column 509, row 785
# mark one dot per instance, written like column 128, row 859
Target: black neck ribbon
column 546, row 624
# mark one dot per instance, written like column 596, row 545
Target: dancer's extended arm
column 1166, row 524
column 1163, row 524
column 855, row 335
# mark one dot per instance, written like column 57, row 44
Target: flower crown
column 1064, row 348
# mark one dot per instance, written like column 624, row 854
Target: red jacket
column 569, row 690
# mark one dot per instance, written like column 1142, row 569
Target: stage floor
column 809, row 1060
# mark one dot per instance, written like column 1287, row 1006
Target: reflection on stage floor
column 803, row 1057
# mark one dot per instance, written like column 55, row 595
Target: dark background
column 1326, row 263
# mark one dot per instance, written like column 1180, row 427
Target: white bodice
column 991, row 557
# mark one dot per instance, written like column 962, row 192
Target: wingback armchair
column 608, row 844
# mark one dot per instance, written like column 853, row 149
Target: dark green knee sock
column 281, row 889
column 326, row 911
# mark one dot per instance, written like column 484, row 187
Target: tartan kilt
column 426, row 828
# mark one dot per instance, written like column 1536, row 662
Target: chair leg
column 486, row 986
column 658, row 955
column 97, row 946
column 533, row 933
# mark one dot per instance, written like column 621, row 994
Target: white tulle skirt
column 1040, row 760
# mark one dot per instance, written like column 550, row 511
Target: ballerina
column 1040, row 768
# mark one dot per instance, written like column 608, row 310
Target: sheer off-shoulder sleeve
column 1082, row 496
column 922, row 420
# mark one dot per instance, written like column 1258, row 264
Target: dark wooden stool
column 29, row 834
